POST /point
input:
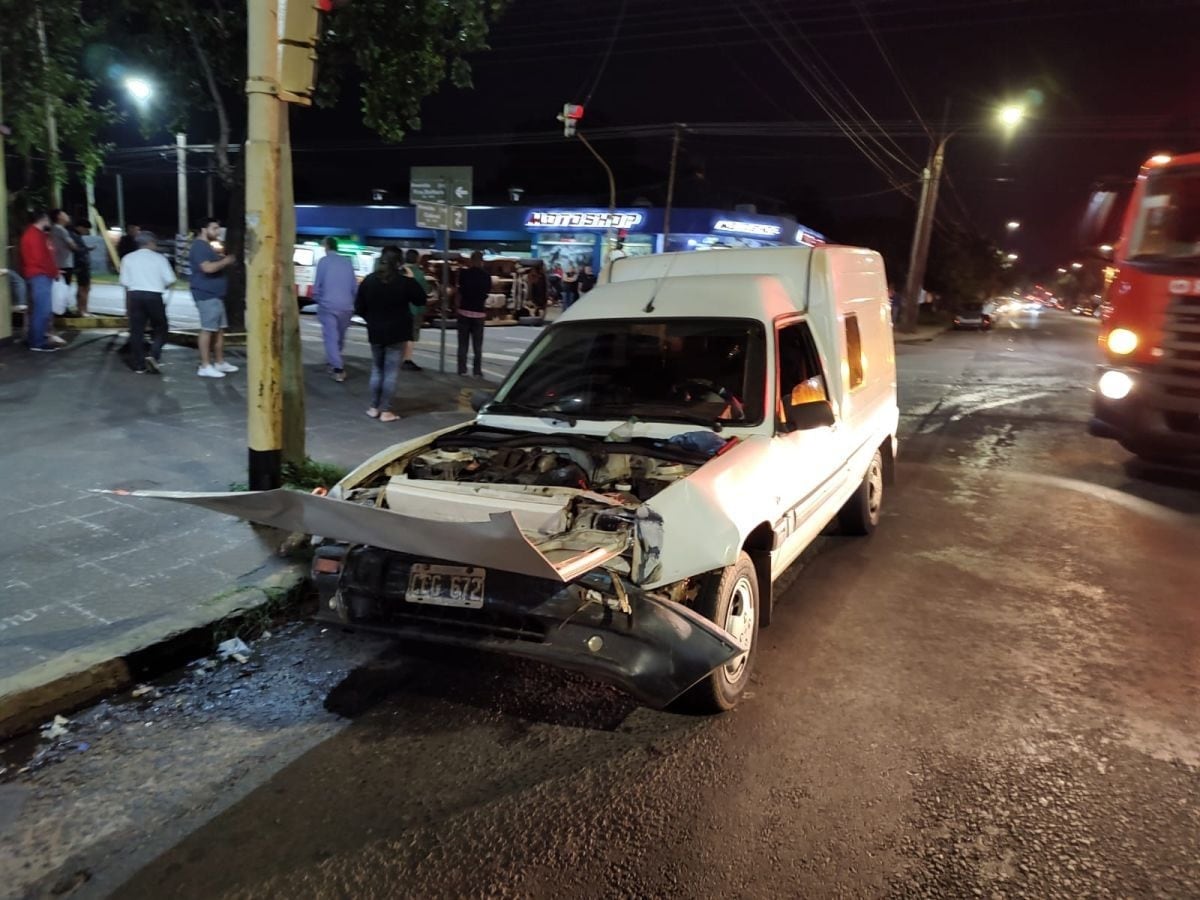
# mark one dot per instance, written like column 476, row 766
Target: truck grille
column 1174, row 384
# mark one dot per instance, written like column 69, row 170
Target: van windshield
column 1167, row 226
column 704, row 371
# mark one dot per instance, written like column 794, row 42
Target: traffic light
column 299, row 31
column 570, row 116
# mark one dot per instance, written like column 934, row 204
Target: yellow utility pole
column 264, row 344
column 293, row 370
column 281, row 42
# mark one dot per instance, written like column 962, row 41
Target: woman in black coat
column 385, row 300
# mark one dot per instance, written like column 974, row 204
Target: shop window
column 854, row 357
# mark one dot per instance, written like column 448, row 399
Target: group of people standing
column 147, row 276
column 392, row 301
column 52, row 254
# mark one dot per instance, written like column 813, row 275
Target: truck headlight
column 1115, row 385
column 1122, row 341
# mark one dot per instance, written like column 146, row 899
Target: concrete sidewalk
column 89, row 578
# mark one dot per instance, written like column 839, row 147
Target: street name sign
column 441, row 184
column 440, row 217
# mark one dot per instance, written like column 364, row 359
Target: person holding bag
column 40, row 271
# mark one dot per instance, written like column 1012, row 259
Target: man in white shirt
column 145, row 275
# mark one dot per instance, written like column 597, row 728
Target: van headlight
column 1115, row 385
column 1122, row 341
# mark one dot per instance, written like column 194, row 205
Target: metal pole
column 612, row 191
column 121, row 202
column 181, row 191
column 445, row 291
column 670, row 191
column 5, row 261
column 264, row 423
column 922, row 233
column 208, row 195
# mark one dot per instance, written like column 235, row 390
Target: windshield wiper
column 531, row 410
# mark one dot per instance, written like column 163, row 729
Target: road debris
column 235, row 649
column 55, row 729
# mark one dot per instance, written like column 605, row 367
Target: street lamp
column 1076, row 266
column 1009, row 116
column 1013, row 225
column 139, row 88
column 1062, row 271
column 1013, row 257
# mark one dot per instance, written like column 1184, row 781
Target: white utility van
column 625, row 500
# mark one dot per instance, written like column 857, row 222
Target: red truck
column 1148, row 387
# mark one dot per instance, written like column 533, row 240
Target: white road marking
column 996, row 403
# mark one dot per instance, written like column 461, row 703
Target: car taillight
column 324, row 565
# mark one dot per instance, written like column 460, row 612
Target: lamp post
column 1009, row 116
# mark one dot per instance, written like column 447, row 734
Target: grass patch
column 303, row 476
column 311, row 474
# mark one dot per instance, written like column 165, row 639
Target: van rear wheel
column 862, row 511
column 732, row 602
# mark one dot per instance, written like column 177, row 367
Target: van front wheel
column 730, row 600
column 862, row 511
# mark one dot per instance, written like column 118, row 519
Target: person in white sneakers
column 209, row 284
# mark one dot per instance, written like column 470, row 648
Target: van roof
column 746, row 283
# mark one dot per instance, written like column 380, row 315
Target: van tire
column 862, row 511
column 728, row 600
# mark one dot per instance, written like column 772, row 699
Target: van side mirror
column 806, row 416
column 479, row 399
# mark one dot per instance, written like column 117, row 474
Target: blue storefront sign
column 563, row 236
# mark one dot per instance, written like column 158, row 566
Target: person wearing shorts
column 209, row 285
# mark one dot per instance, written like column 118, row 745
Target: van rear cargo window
column 854, row 352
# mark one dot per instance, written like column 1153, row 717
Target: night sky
column 1112, row 81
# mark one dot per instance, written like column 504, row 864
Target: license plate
column 460, row 586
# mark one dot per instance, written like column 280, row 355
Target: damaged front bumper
column 598, row 624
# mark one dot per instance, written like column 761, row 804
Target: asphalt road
column 996, row 695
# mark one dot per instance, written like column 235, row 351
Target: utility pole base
column 266, row 469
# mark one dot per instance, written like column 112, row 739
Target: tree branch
column 221, row 147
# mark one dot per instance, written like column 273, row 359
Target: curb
column 31, row 697
column 901, row 338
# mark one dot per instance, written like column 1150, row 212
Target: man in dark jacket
column 474, row 285
column 128, row 242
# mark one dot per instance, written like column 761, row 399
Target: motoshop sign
column 584, row 220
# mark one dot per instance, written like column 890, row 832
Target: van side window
column 800, row 375
column 854, row 355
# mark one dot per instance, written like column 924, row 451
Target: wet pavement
column 996, row 695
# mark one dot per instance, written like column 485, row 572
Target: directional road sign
column 441, row 184
column 440, row 217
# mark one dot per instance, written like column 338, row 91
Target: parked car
column 624, row 502
column 973, row 317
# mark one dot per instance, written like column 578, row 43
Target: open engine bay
column 568, row 493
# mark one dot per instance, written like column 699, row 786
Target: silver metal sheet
column 495, row 544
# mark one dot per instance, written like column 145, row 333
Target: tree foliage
column 965, row 268
column 47, row 75
column 391, row 53
column 402, row 52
